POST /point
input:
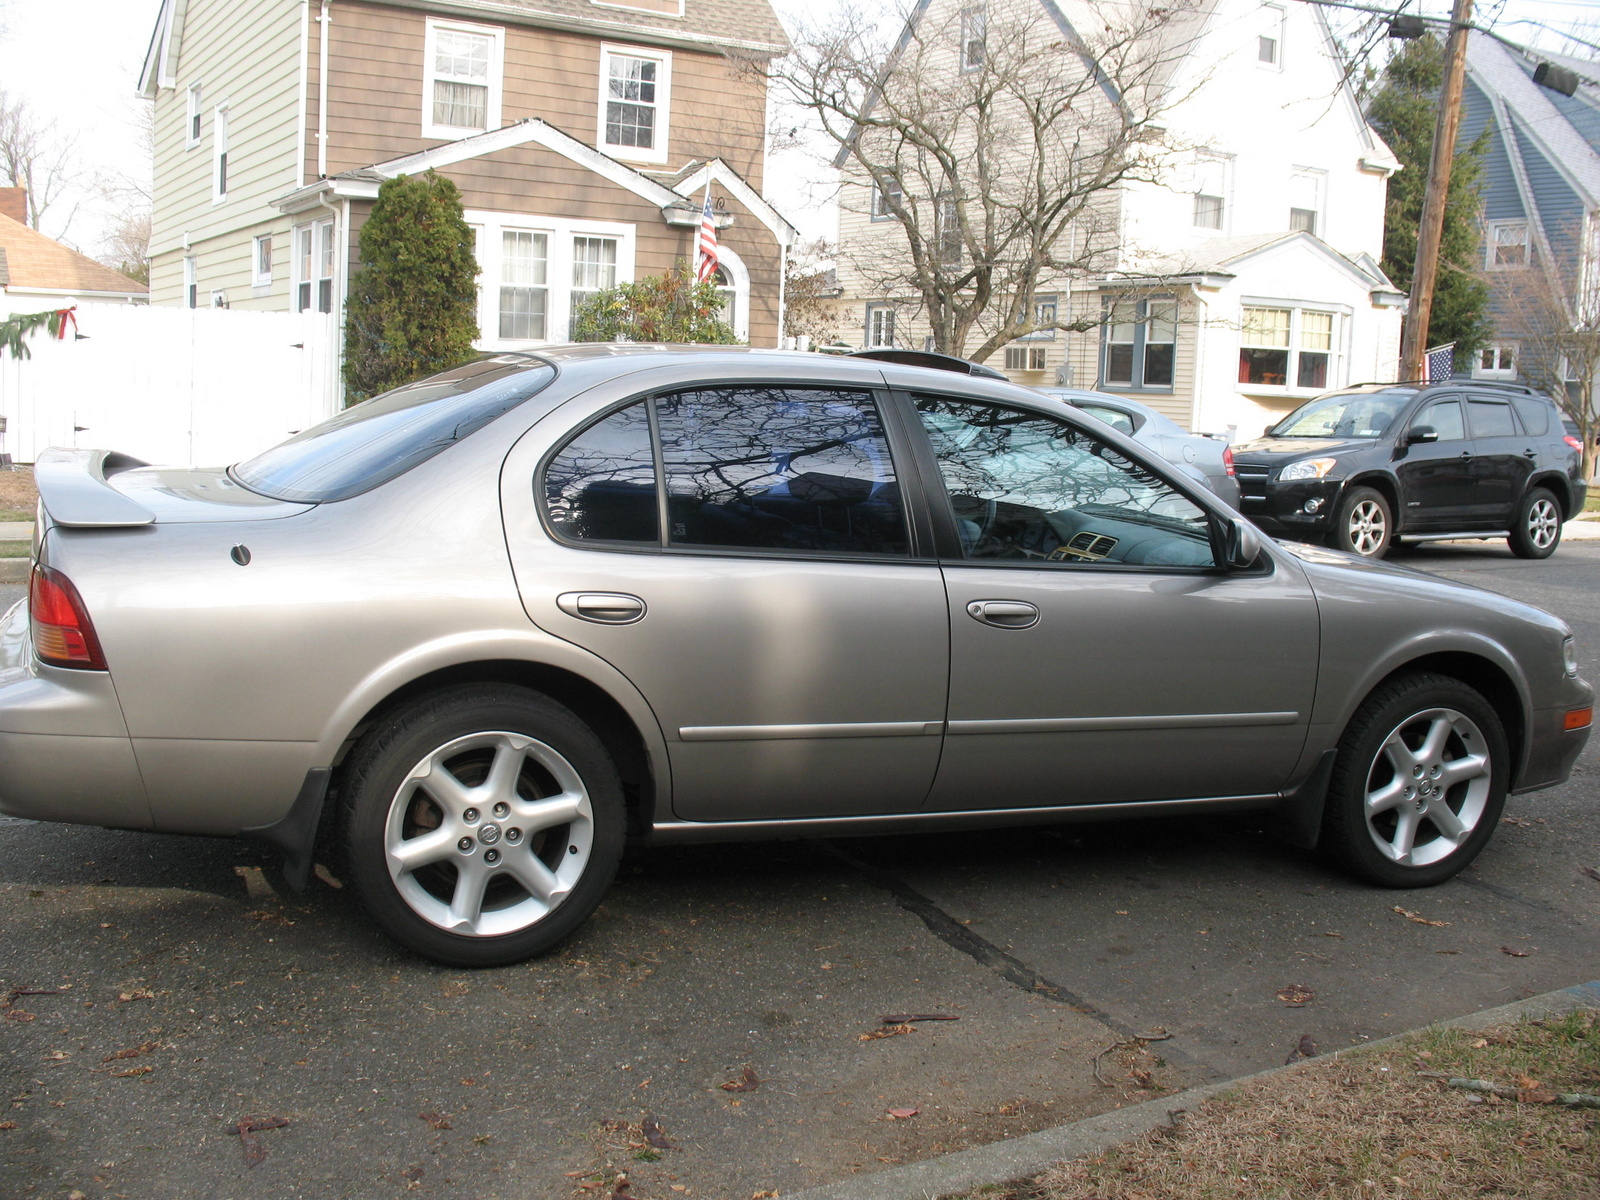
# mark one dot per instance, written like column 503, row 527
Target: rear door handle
column 1004, row 614
column 605, row 608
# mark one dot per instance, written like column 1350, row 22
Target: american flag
column 705, row 256
column 1441, row 363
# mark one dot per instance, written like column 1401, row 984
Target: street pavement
column 228, row 1000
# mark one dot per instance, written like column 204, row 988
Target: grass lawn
column 15, row 549
column 1374, row 1125
column 1591, row 502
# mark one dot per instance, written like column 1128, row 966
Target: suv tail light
column 1574, row 443
column 63, row 635
column 1227, row 461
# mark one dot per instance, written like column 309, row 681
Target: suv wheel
column 1536, row 530
column 1419, row 783
column 1364, row 525
column 483, row 824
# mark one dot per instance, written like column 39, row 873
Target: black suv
column 1379, row 462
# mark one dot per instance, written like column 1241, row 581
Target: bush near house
column 657, row 308
column 413, row 306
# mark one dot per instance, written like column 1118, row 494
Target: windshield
column 378, row 439
column 1351, row 415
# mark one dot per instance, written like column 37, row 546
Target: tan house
column 38, row 273
column 583, row 135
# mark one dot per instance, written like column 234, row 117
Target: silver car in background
column 1205, row 457
column 474, row 634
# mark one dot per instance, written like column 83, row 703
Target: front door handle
column 1004, row 614
column 1466, row 456
column 605, row 608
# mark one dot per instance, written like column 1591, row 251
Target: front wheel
column 1418, row 784
column 1536, row 529
column 483, row 823
column 1363, row 525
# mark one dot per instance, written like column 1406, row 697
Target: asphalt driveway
column 168, row 992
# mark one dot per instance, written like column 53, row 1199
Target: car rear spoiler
column 74, row 491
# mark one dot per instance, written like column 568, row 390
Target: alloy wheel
column 1544, row 523
column 1368, row 528
column 1427, row 787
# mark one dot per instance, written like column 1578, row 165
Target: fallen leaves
column 1418, row 917
column 747, row 1082
column 8, row 1125
column 262, row 914
column 16, row 1014
column 1305, row 1048
column 131, row 1072
column 254, row 1152
column 885, row 1032
column 138, row 1051
column 651, row 1129
column 129, row 997
column 435, row 1120
column 903, row 1114
column 910, row 1018
column 1513, row 953
column 1296, row 995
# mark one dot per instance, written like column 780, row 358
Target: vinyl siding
column 1560, row 208
column 245, row 53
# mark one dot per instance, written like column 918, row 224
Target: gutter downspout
column 305, row 84
column 322, row 93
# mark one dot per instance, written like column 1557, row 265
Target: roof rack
column 1423, row 383
column 927, row 358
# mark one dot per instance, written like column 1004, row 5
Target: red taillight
column 1227, row 460
column 63, row 635
column 1574, row 443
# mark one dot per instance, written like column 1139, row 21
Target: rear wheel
column 483, row 824
column 1536, row 529
column 1363, row 525
column 1419, row 783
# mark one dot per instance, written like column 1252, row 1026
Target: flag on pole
column 1441, row 362
column 705, row 257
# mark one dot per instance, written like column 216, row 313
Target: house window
column 1025, row 358
column 729, row 292
column 947, row 237
column 1141, row 344
column 1305, row 200
column 461, row 94
column 524, row 294
column 1044, row 313
column 191, row 283
column 883, row 194
column 1211, row 191
column 634, row 102
column 261, row 259
column 1509, row 244
column 192, row 118
column 1496, row 362
column 974, row 34
column 880, row 326
column 594, row 266
column 219, row 299
column 219, row 154
column 313, row 267
column 1286, row 347
column 1269, row 40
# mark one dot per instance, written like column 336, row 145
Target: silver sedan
column 473, row 635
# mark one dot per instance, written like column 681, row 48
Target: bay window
column 535, row 271
column 1287, row 348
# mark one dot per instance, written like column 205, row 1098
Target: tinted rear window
column 378, row 439
column 1535, row 414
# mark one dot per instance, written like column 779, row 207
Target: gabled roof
column 161, row 59
column 678, row 202
column 35, row 263
column 1506, row 77
column 1218, row 259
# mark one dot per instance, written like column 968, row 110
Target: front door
column 1436, row 480
column 765, row 600
column 1099, row 653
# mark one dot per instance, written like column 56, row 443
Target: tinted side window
column 1116, row 418
column 602, row 485
column 1444, row 416
column 1491, row 418
column 1534, row 414
column 1025, row 487
column 802, row 469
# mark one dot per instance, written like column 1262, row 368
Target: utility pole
column 1414, row 346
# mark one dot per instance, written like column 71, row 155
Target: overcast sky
column 78, row 62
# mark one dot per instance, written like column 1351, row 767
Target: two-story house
column 1541, row 208
column 583, row 135
column 1241, row 279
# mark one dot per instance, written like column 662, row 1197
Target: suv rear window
column 1534, row 412
column 381, row 438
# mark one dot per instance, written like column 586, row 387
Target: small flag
column 1441, row 363
column 706, row 250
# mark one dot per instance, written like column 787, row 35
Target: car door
column 742, row 555
column 1502, row 465
column 1098, row 652
column 1436, row 478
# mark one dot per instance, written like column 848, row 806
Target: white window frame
column 488, row 228
column 219, row 298
column 1028, row 359
column 869, row 334
column 1338, row 347
column 1043, row 303
column 496, row 82
column 324, row 234
column 974, row 32
column 219, row 154
column 1492, row 244
column 738, row 284
column 1222, row 164
column 1505, row 361
column 1317, row 178
column 193, row 115
column 258, row 277
column 663, row 102
column 1273, row 19
column 880, row 210
column 191, row 282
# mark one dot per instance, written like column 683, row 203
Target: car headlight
column 1569, row 654
column 1308, row 468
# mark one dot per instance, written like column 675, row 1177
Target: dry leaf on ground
column 903, row 1114
column 747, row 1082
column 435, row 1120
column 1513, row 953
column 1418, row 917
column 886, row 1031
column 1296, row 994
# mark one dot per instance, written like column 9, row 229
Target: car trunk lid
column 104, row 489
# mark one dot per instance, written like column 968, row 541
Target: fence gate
column 174, row 386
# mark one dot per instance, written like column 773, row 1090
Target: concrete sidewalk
column 1023, row 1157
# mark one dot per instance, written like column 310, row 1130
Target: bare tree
column 125, row 245
column 35, row 156
column 809, row 291
column 1556, row 321
column 990, row 142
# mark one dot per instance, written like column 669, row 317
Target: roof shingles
column 36, row 262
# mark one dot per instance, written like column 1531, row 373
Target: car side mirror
column 1421, row 433
column 1241, row 544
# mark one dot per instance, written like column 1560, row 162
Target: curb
column 15, row 570
column 1018, row 1158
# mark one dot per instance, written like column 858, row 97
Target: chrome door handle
column 606, row 608
column 1004, row 614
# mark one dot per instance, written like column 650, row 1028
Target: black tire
column 1467, row 729
column 1536, row 529
column 1364, row 523
column 459, row 734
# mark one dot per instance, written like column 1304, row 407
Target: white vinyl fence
column 173, row 386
